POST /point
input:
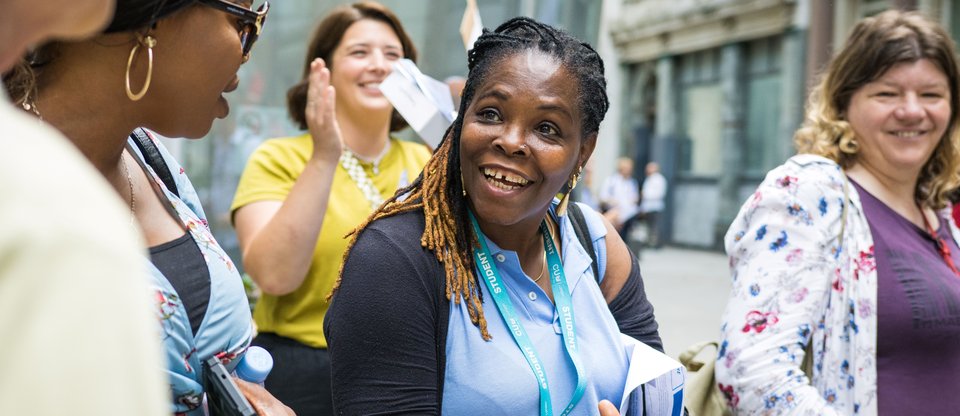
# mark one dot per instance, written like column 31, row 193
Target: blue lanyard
column 564, row 305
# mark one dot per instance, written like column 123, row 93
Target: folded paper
column 425, row 103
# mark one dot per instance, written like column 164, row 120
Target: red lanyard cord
column 942, row 247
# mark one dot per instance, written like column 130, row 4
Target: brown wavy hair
column 877, row 44
column 325, row 40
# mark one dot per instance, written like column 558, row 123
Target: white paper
column 662, row 376
column 424, row 102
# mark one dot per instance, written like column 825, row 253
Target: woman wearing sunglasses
column 160, row 65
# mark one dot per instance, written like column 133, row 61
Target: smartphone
column 223, row 396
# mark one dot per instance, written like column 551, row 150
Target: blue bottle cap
column 255, row 365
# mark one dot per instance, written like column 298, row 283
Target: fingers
column 261, row 400
column 320, row 112
column 251, row 392
column 330, row 104
column 608, row 409
column 319, row 92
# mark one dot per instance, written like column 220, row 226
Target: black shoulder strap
column 583, row 234
column 152, row 155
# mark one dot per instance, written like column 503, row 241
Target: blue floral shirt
column 226, row 329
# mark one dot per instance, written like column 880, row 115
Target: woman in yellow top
column 292, row 239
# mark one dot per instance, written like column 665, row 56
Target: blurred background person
column 78, row 336
column 299, row 196
column 177, row 58
column 620, row 194
column 455, row 84
column 652, row 196
column 846, row 251
column 584, row 193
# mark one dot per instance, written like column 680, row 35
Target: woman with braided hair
column 479, row 240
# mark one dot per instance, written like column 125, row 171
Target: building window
column 762, row 117
column 700, row 99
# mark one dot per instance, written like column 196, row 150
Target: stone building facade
column 714, row 89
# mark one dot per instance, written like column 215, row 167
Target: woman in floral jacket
column 846, row 250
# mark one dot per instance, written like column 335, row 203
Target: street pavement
column 689, row 290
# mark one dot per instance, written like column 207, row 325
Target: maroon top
column 918, row 315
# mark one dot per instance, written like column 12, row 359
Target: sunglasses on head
column 251, row 21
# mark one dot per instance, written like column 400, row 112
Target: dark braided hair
column 138, row 14
column 438, row 191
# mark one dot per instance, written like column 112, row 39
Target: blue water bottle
column 255, row 365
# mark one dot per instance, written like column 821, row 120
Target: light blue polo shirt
column 487, row 378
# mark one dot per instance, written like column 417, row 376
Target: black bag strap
column 582, row 231
column 152, row 155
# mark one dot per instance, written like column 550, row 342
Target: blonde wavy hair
column 877, row 44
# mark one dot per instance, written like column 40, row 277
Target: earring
column 562, row 207
column 149, row 42
column 463, row 186
column 30, row 105
column 849, row 145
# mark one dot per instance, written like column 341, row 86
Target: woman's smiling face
column 522, row 138
column 901, row 117
column 363, row 59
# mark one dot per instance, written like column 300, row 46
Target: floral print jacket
column 226, row 330
column 800, row 274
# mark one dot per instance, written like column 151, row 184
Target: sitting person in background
column 845, row 252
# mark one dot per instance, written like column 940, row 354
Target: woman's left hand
column 262, row 401
column 608, row 409
column 320, row 113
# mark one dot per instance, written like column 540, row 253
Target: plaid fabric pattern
column 353, row 168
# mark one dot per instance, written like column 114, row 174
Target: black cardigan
column 386, row 328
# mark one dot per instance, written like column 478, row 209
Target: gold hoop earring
column 149, row 42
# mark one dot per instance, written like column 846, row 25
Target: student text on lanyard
column 564, row 307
